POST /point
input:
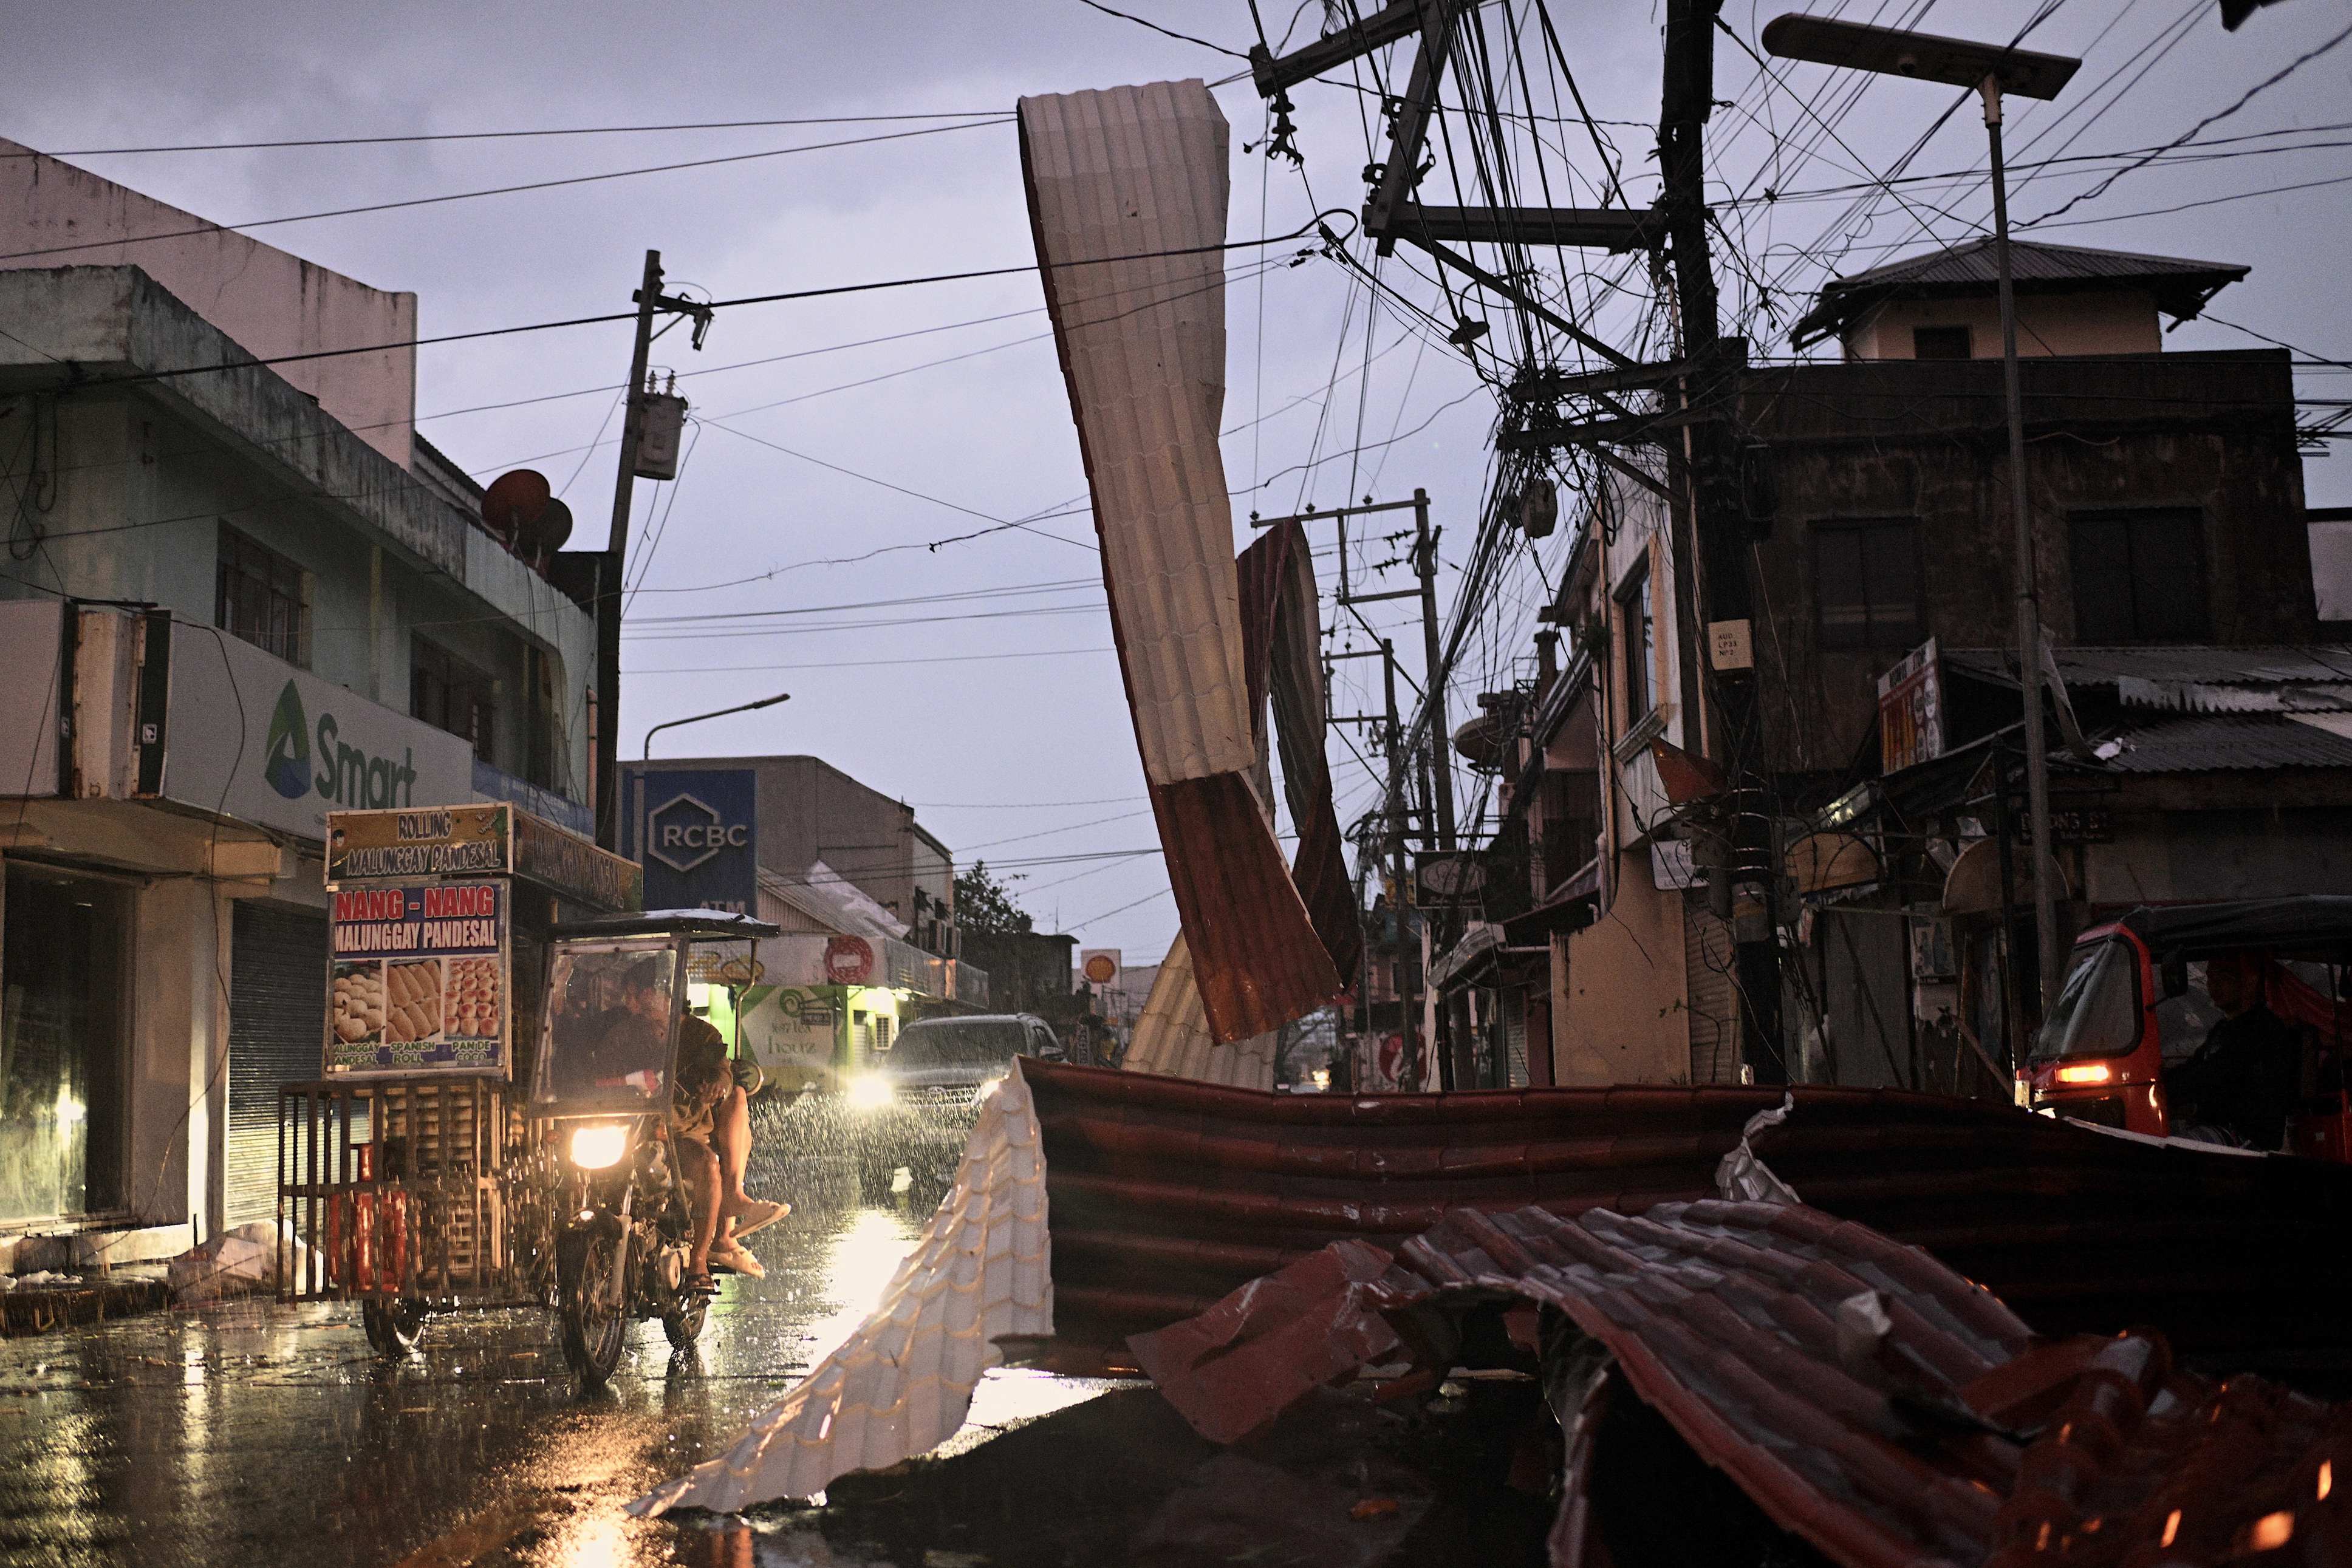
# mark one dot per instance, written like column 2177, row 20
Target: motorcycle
column 624, row 1220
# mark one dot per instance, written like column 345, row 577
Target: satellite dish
column 514, row 501
column 545, row 535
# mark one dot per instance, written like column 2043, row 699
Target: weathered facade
column 234, row 600
column 2169, row 515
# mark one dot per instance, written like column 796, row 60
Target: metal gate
column 277, row 1020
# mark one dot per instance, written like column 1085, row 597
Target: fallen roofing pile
column 1861, row 1394
column 1165, row 1194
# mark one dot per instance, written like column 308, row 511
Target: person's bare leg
column 731, row 1139
column 701, row 1169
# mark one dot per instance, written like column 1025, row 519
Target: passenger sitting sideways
column 711, row 1119
column 2240, row 1085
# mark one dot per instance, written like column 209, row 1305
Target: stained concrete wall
column 2119, row 323
column 1618, row 1016
column 1927, row 440
column 270, row 302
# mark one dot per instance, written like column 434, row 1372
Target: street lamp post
column 722, row 713
column 1992, row 70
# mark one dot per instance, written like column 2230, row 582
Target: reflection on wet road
column 251, row 1434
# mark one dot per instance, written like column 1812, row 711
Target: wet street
column 250, row 1433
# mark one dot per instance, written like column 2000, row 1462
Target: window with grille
column 1639, row 619
column 1867, row 583
column 449, row 694
column 260, row 596
column 2139, row 576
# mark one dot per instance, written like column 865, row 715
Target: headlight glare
column 599, row 1147
column 870, row 1092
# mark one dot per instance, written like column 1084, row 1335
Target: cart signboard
column 442, row 840
column 418, row 979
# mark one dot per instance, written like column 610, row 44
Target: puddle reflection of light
column 596, row 1544
column 860, row 1263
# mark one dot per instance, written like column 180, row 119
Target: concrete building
column 2169, row 514
column 817, row 822
column 236, row 596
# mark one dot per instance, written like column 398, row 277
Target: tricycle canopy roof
column 2317, row 923
column 716, row 925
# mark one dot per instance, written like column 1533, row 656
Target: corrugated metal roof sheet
column 2321, row 663
column 2033, row 261
column 1864, row 1396
column 1167, row 1195
column 2209, row 742
column 901, row 1382
column 2181, row 287
column 1126, row 198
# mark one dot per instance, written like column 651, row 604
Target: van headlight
column 870, row 1092
column 599, row 1147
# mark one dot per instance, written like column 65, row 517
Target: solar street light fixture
column 1993, row 71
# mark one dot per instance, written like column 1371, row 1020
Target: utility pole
column 1409, row 1073
column 1745, row 886
column 1440, row 734
column 1992, row 70
column 651, row 301
column 608, row 574
column 2029, row 599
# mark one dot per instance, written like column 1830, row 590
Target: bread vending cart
column 402, row 1171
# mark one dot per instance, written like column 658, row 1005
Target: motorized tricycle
column 2133, row 1000
column 419, row 1196
column 601, row 1095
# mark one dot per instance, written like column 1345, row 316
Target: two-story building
column 237, row 594
column 2167, row 509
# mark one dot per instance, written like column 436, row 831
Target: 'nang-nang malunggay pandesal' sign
column 418, row 979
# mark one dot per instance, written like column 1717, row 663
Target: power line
column 874, row 663
column 975, row 114
column 494, row 191
column 830, row 292
column 1168, row 32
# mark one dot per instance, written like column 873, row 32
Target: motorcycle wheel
column 684, row 1324
column 392, row 1327
column 594, row 1328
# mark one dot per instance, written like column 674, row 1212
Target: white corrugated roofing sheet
column 1140, row 172
column 900, row 1383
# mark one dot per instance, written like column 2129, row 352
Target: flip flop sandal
column 736, row 1260
column 758, row 1213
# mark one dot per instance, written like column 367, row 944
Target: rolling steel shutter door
column 276, row 1019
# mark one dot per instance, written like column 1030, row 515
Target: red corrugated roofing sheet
column 1167, row 1194
column 1863, row 1394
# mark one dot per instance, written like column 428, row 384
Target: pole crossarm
column 1409, row 127
column 1520, row 297
column 1613, row 229
column 1650, row 427
column 1358, row 38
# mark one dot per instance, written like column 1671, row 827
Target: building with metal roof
column 2071, row 300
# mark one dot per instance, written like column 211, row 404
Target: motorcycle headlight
column 598, row 1147
column 870, row 1092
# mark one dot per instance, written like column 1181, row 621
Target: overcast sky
column 828, row 462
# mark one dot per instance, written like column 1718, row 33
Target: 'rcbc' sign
column 696, row 831
column 849, row 960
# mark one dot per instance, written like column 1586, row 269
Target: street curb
column 34, row 1310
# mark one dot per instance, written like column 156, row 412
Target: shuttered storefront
column 277, row 1020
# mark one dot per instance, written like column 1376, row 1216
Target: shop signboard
column 697, row 834
column 438, row 841
column 417, row 978
column 791, row 1031
column 1911, row 710
column 478, row 841
column 574, row 868
column 255, row 738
